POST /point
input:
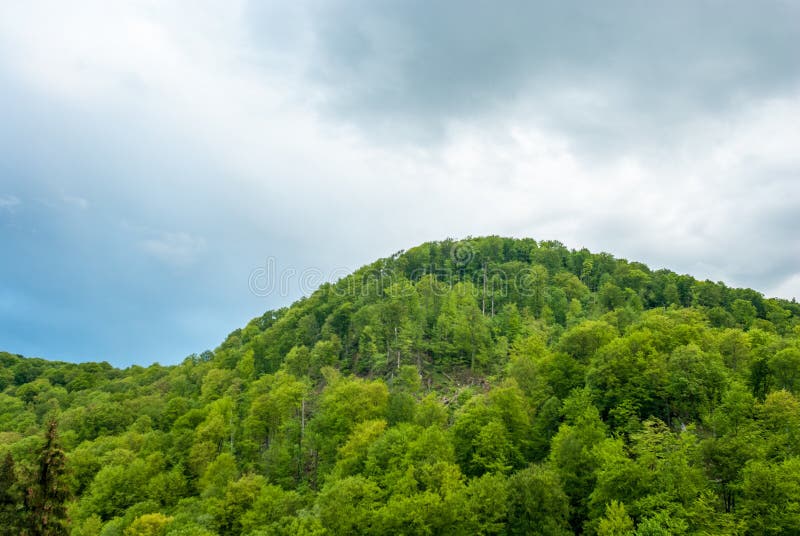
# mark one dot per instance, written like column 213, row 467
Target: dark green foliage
column 483, row 386
column 46, row 497
column 10, row 498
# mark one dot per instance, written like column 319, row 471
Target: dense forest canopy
column 482, row 386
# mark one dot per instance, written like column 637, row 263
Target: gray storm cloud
column 593, row 69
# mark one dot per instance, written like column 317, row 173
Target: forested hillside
column 485, row 386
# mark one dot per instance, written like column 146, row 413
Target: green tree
column 462, row 333
column 537, row 502
column 785, row 368
column 616, row 522
column 10, row 498
column 583, row 340
column 148, row 525
column 238, row 497
column 490, row 433
column 744, row 312
column 46, row 498
column 348, row 506
column 574, row 455
column 630, row 370
column 695, row 382
column 486, row 504
column 770, row 501
column 343, row 404
column 780, row 419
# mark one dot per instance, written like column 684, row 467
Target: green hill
column 482, row 386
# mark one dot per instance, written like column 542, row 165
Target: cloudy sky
column 154, row 155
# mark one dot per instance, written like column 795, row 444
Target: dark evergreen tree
column 10, row 498
column 45, row 500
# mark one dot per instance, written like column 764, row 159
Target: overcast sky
column 154, row 154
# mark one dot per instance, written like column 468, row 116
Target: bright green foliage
column 485, row 386
column 272, row 508
column 148, row 525
column 584, row 339
column 537, row 502
column 656, row 475
column 343, row 404
column 348, row 506
column 353, row 454
column 461, row 335
column 770, row 501
column 616, row 522
column 785, row 368
column 574, row 452
column 228, row 508
column 490, row 432
column 744, row 312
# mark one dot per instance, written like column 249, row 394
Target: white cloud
column 175, row 249
column 9, row 203
column 75, row 201
column 788, row 289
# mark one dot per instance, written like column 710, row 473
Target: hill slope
column 485, row 386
